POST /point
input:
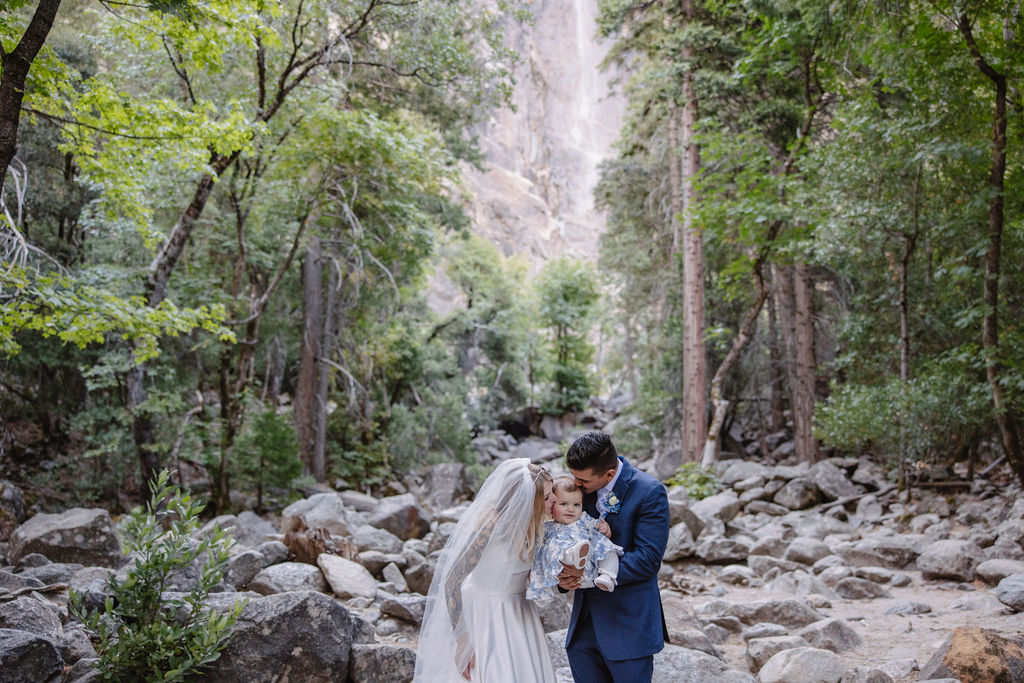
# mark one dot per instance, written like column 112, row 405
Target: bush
column 269, row 455
column 143, row 637
column 698, row 482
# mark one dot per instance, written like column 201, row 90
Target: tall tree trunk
column 312, row 325
column 804, row 389
column 319, row 463
column 16, row 65
column 1006, row 414
column 782, row 295
column 695, row 423
column 776, row 381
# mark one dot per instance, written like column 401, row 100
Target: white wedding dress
column 505, row 631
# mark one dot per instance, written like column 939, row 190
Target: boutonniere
column 612, row 505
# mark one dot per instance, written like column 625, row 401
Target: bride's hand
column 469, row 667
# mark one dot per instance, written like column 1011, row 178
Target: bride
column 478, row 625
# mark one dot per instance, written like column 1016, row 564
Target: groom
column 613, row 636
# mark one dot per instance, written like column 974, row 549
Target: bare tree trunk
column 630, row 357
column 782, row 295
column 804, row 389
column 312, row 317
column 776, row 363
column 695, row 424
column 319, row 464
column 1006, row 414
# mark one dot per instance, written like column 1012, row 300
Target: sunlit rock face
column 535, row 196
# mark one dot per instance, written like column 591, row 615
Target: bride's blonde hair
column 535, row 530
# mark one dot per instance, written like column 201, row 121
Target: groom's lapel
column 625, row 480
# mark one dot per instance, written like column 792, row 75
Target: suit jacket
column 629, row 622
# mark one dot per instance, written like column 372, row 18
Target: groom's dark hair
column 592, row 451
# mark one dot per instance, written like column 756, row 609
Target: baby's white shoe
column 576, row 556
column 605, row 582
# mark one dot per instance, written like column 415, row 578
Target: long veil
column 494, row 526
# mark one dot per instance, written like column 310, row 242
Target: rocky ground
column 818, row 573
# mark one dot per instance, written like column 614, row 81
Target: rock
column 800, row 583
column 790, row 613
column 723, row 506
column 680, row 513
column 322, row 511
column 401, row 516
column 891, row 552
column 381, row 663
column 1010, row 592
column 770, row 545
column 802, row 665
column 806, row 550
column 738, row 470
column 392, row 574
column 763, row 506
column 876, row 574
column 908, row 607
column 359, row 501
column 83, row 671
column 54, row 572
column 760, row 650
column 680, row 543
column 869, row 509
column 409, row 607
column 375, row 561
column 693, row 639
column 955, row 560
column 368, row 537
column 831, row 634
column 446, row 485
column 347, row 578
column 831, row 481
column 27, row 657
column 85, row 536
column 287, row 577
column 798, row 494
column 677, row 664
column 247, row 528
column 273, row 552
column 720, row 550
column 866, row 674
column 738, row 574
column 853, row 588
column 11, row 582
column 985, row 602
column 74, row 644
column 419, row 576
column 763, row 630
column 12, row 507
column 994, row 571
column 300, row 636
column 900, row 667
column 976, row 655
column 762, row 563
column 242, row 568
column 27, row 613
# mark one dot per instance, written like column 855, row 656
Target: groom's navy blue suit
column 614, row 636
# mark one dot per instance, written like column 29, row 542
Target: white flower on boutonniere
column 612, row 505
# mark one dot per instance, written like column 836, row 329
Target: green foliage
column 143, row 637
column 698, row 482
column 567, row 292
column 268, row 455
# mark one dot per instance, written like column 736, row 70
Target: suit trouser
column 590, row 666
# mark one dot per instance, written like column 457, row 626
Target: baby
column 572, row 537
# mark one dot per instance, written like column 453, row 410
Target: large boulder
column 401, row 516
column 802, row 665
column 287, row 577
column 976, row 655
column 26, row 657
column 798, row 494
column 790, row 613
column 806, row 550
column 347, row 578
column 27, row 613
column 446, row 485
column 760, row 650
column 950, row 559
column 300, row 636
column 247, row 528
column 369, row 537
column 1010, row 592
column 85, row 536
column 853, row 588
column 831, row 481
column 680, row 543
column 994, row 571
column 381, row 663
column 738, row 470
column 322, row 511
column 677, row 664
column 892, row 552
column 831, row 634
column 723, row 506
column 722, row 550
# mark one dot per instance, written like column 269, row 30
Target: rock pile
column 818, row 535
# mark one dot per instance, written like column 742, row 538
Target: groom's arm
column 650, row 536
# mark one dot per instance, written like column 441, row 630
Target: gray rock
column 680, row 543
column 763, row 506
column 27, row 613
column 274, row 552
column 393, row 574
column 760, row 650
column 799, row 583
column 891, row 552
column 900, row 667
column 12, row 506
column 10, row 582
column 876, row 574
column 756, row 493
column 798, row 494
column 950, row 559
column 762, row 563
column 53, row 572
column 288, row 577
column 720, row 550
column 84, row 671
column 806, row 550
column 247, row 528
column 554, row 614
column 853, row 588
column 763, row 630
column 85, row 536
column 907, row 607
column 869, row 509
column 834, row 575
column 994, row 571
column 299, row 636
column 739, row 575
column 723, row 506
column 86, row 575
column 693, row 639
column 802, row 665
column 866, row 674
column 680, row 513
column 791, row 613
column 770, row 545
column 984, row 602
column 27, row 657
column 831, row 481
column 74, row 644
column 756, row 482
column 831, row 634
column 347, row 578
column 359, row 501
column 419, row 576
column 409, row 607
column 738, row 470
column 446, row 485
column 381, row 663
column 322, row 511
column 244, row 567
column 401, row 516
column 1010, row 592
column 715, row 633
column 677, row 664
column 368, row 537
column 375, row 561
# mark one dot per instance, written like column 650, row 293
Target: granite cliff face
column 535, row 196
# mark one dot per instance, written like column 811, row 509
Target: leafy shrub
column 269, row 454
column 142, row 636
column 698, row 482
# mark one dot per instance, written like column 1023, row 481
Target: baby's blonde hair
column 565, row 485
